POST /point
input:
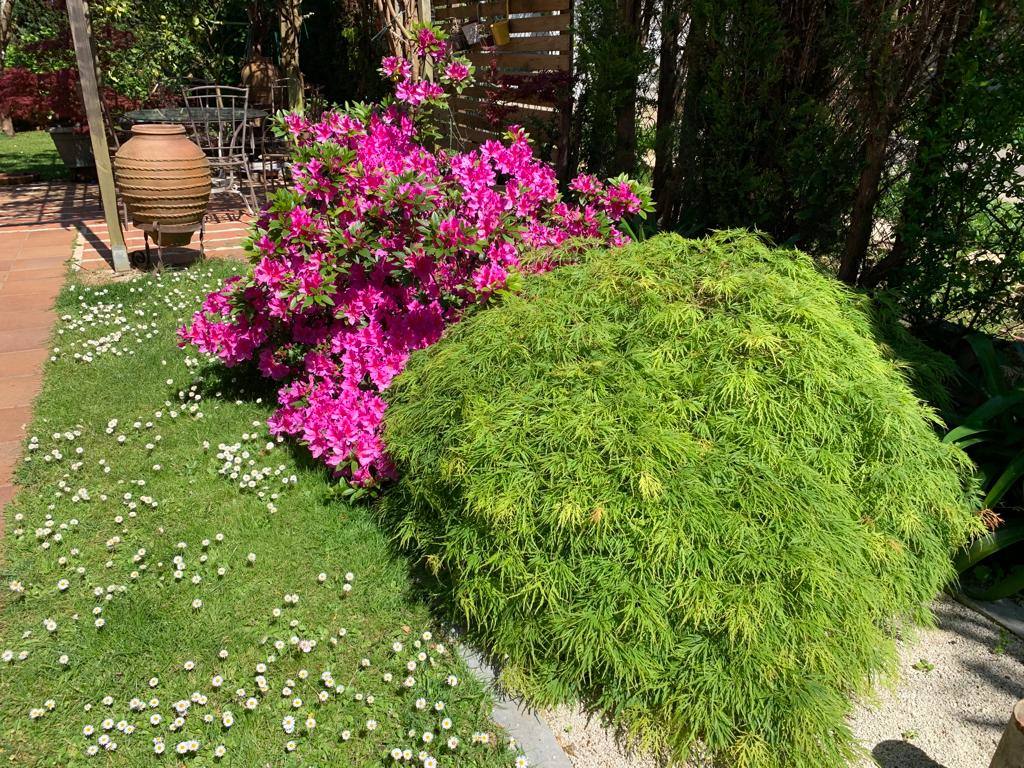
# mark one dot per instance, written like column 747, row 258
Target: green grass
column 31, row 152
column 116, row 358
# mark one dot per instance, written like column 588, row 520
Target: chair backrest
column 218, row 117
column 276, row 96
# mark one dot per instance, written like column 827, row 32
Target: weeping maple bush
column 681, row 482
column 380, row 244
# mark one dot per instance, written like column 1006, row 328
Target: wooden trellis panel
column 534, row 73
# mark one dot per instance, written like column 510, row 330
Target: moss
column 681, row 482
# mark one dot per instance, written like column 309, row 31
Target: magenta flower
column 456, row 71
column 395, row 67
column 367, row 259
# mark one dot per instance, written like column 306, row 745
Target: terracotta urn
column 165, row 180
column 260, row 75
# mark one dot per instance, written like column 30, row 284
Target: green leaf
column 992, row 373
column 1013, row 472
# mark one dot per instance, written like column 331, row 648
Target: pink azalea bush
column 379, row 244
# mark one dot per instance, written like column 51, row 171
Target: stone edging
column 532, row 734
column 1006, row 613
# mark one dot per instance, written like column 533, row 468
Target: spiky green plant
column 679, row 481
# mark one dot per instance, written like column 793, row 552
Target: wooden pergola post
column 1010, row 751
column 81, row 33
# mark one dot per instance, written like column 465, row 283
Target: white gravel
column 950, row 716
column 958, row 683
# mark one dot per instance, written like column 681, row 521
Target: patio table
column 181, row 115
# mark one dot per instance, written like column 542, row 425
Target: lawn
column 181, row 582
column 31, row 152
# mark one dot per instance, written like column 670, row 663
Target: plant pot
column 500, row 33
column 165, row 181
column 74, row 147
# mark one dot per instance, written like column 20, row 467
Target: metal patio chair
column 274, row 152
column 220, row 123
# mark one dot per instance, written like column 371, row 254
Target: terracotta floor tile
column 16, row 320
column 30, row 338
column 19, row 390
column 13, row 422
column 23, row 262
column 55, row 272
column 50, row 236
column 44, row 286
column 31, row 253
column 23, row 362
column 10, row 449
column 26, row 302
column 7, row 469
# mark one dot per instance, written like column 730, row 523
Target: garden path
column 44, row 229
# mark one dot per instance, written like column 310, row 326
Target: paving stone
column 27, row 302
column 23, row 362
column 27, row 338
column 13, row 320
column 19, row 390
column 13, row 422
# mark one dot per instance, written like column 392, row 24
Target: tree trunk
column 6, row 31
column 290, row 12
column 625, row 108
column 924, row 165
column 694, row 71
column 668, row 102
column 858, row 236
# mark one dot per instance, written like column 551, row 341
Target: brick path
column 40, row 227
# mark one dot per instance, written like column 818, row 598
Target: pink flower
column 395, row 67
column 415, row 93
column 456, row 71
column 365, row 260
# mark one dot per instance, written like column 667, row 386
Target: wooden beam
column 78, row 15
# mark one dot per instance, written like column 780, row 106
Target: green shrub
column 680, row 482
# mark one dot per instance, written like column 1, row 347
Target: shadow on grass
column 245, row 383
column 901, row 754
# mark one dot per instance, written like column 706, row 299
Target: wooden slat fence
column 527, row 82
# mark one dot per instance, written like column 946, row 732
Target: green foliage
column 762, row 140
column 993, row 435
column 680, row 482
column 610, row 60
column 141, row 45
column 959, row 249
